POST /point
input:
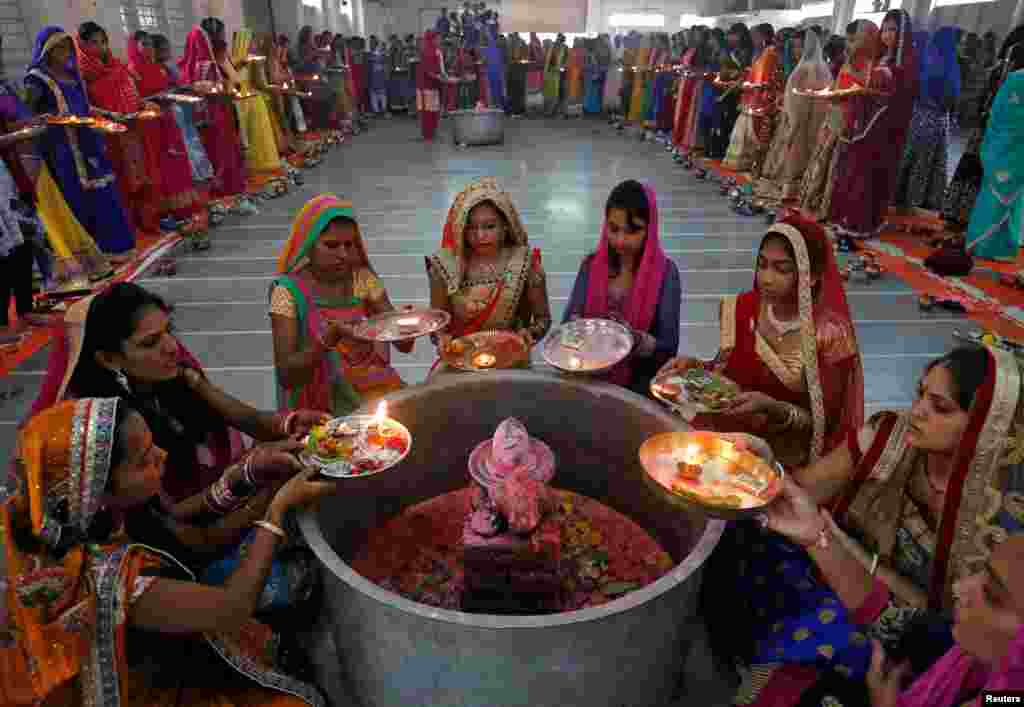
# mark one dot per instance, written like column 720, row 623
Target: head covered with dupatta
column 810, row 74
column 310, row 222
column 430, row 62
column 173, row 414
column 902, row 53
column 47, row 39
column 827, row 335
column 198, row 56
column 984, row 500
column 73, row 573
column 454, row 252
column 642, row 304
column 62, row 467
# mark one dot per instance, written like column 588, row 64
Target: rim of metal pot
column 678, row 574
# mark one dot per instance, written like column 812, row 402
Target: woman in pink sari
column 220, row 136
column 178, row 195
column 874, row 133
column 630, row 278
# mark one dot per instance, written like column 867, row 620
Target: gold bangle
column 267, row 525
column 874, row 565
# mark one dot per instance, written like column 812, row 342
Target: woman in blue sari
column 995, row 227
column 75, row 156
column 494, row 57
column 922, row 177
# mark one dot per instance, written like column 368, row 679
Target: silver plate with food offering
column 587, row 346
column 356, row 446
column 26, row 133
column 704, row 391
column 401, row 324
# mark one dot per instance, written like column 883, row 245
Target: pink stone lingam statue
column 511, row 472
column 511, row 540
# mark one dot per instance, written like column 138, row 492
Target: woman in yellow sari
column 94, row 619
column 641, row 76
column 262, row 158
column 485, row 274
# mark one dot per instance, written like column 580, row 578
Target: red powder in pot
column 418, row 553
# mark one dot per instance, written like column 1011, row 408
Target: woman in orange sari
column 790, row 345
column 112, row 89
column 485, row 274
column 574, row 80
column 94, row 619
column 756, row 125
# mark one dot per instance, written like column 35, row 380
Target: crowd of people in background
column 151, row 555
column 261, row 108
column 841, row 127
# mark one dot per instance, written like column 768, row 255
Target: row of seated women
column 96, row 193
column 884, row 525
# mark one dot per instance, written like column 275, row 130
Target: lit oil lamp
column 484, row 360
column 575, row 363
column 692, row 455
column 408, row 324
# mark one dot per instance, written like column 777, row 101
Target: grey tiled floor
column 559, row 173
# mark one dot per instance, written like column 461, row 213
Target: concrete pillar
column 1018, row 14
column 919, row 11
column 842, row 15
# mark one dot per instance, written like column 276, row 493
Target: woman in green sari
column 326, row 283
column 553, row 66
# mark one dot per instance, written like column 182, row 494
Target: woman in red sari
column 220, row 136
column 178, row 195
column 790, row 345
column 691, row 77
column 112, row 89
column 874, row 133
column 428, row 85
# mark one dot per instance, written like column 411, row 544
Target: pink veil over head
column 642, row 304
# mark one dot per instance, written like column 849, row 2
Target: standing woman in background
column 963, row 189
column 875, row 130
column 518, row 61
column 428, row 85
column 112, row 91
column 553, row 63
column 574, row 79
column 178, row 195
column 921, row 182
column 598, row 74
column 76, row 157
column 611, row 99
column 494, row 57
column 535, row 76
column 994, row 230
column 220, row 135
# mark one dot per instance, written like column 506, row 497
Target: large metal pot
column 479, row 127
column 380, row 649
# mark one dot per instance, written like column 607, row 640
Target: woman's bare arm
column 828, row 476
column 294, row 367
column 172, row 606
